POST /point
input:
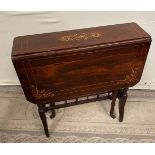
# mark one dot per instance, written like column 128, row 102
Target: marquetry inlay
column 81, row 36
column 41, row 94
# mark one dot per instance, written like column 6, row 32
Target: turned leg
column 52, row 110
column 41, row 110
column 122, row 100
column 109, row 95
column 114, row 95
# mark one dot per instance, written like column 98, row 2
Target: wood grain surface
column 66, row 65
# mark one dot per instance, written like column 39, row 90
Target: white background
column 16, row 23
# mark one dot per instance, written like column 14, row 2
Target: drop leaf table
column 66, row 68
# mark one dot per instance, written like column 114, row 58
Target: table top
column 103, row 35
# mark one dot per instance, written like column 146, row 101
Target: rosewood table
column 102, row 62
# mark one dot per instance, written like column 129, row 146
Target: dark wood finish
column 66, row 65
column 122, row 100
column 41, row 111
column 52, row 106
column 114, row 96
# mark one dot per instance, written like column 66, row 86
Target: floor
column 87, row 123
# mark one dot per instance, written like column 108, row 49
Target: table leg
column 43, row 118
column 122, row 101
column 114, row 96
column 52, row 110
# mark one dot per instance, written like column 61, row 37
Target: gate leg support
column 52, row 110
column 122, row 101
column 41, row 110
column 114, row 95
